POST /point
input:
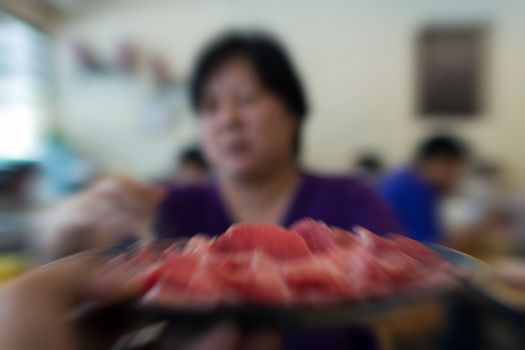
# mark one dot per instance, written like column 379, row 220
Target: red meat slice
column 176, row 271
column 316, row 234
column 417, row 250
column 343, row 238
column 373, row 242
column 402, row 270
column 380, row 267
column 252, row 277
column 273, row 240
column 363, row 271
column 187, row 278
column 201, row 280
column 316, row 280
column 206, row 284
column 439, row 271
column 405, row 268
column 198, row 245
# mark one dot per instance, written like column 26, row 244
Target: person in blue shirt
column 414, row 192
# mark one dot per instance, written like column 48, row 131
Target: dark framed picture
column 450, row 70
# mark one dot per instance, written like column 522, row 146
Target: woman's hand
column 36, row 312
column 114, row 209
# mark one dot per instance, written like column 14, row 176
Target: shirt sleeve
column 416, row 210
column 421, row 218
column 373, row 213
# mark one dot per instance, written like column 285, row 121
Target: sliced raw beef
column 189, row 278
column 441, row 272
column 310, row 263
column 253, row 277
column 317, row 279
column 417, row 251
column 343, row 238
column 273, row 240
column 367, row 276
column 374, row 243
column 316, row 234
column 404, row 268
column 198, row 245
column 176, row 270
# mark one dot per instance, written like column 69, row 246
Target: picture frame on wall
column 451, row 65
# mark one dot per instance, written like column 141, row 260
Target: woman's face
column 245, row 130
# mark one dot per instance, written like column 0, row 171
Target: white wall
column 356, row 58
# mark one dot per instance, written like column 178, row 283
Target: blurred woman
column 251, row 106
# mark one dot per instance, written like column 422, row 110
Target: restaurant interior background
column 89, row 88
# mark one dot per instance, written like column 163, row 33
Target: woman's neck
column 262, row 199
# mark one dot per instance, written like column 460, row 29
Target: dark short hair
column 270, row 62
column 442, row 146
column 370, row 161
column 193, row 155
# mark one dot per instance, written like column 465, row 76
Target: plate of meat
column 309, row 274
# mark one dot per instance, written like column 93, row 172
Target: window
column 25, row 87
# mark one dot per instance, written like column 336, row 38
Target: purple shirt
column 338, row 201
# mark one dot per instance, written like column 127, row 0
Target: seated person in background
column 192, row 167
column 415, row 191
column 250, row 105
column 479, row 204
column 483, row 193
column 17, row 180
column 369, row 168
